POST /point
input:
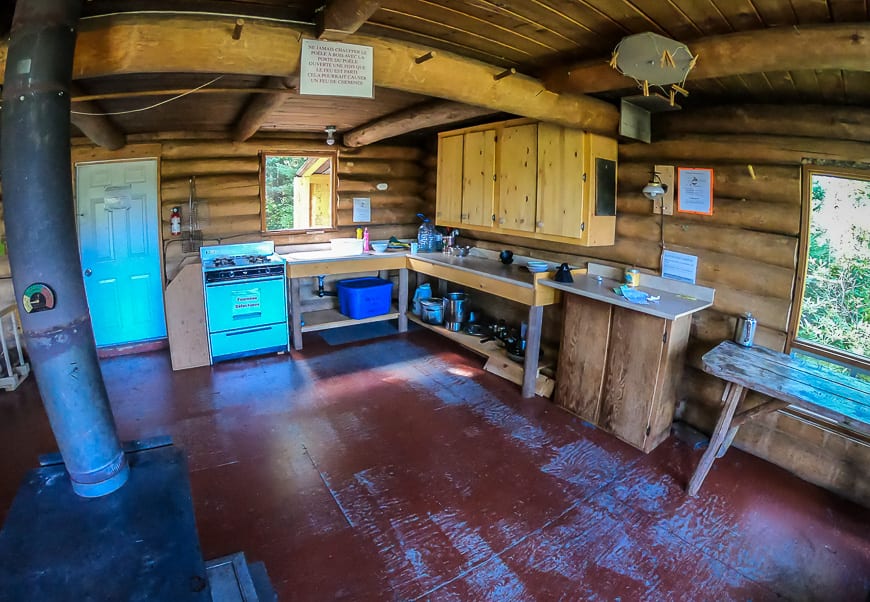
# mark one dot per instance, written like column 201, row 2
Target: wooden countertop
column 677, row 299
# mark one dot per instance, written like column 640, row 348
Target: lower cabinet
column 619, row 368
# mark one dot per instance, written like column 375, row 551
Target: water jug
column 423, row 292
column 425, row 235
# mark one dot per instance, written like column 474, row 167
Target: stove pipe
column 43, row 247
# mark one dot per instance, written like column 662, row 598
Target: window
column 831, row 321
column 297, row 191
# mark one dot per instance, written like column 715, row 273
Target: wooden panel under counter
column 619, row 363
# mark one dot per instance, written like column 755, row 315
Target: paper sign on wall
column 362, row 209
column 336, row 69
column 695, row 190
column 679, row 266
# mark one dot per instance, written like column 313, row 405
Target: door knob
column 88, row 272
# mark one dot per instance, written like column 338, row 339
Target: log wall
column 227, row 187
column 747, row 251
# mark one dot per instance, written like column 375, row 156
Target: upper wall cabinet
column 529, row 179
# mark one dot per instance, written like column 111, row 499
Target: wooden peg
column 645, row 88
column 680, row 89
column 237, row 31
column 426, row 57
column 504, row 74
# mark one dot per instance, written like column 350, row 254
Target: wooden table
column 789, row 382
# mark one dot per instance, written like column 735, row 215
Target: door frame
column 132, row 152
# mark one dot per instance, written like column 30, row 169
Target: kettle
column 563, row 273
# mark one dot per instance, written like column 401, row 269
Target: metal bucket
column 432, row 310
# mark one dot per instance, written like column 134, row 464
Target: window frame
column 792, row 342
column 333, row 202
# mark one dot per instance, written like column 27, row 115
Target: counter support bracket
column 533, row 349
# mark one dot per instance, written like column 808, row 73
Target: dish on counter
column 379, row 247
column 536, row 267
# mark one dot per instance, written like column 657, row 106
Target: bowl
column 379, row 247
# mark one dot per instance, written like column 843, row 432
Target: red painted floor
column 396, row 469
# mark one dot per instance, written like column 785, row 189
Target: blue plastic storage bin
column 360, row 298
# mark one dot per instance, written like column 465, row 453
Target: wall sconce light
column 330, row 134
column 654, row 189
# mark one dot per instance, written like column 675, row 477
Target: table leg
column 732, row 397
column 403, row 300
column 533, row 349
column 296, row 312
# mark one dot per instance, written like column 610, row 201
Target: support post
column 43, row 247
column 533, row 349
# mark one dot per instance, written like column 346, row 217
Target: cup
column 414, row 248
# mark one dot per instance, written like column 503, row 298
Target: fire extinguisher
column 175, row 221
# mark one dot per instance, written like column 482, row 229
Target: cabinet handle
column 501, row 220
column 582, row 226
column 523, row 220
column 463, row 216
column 493, row 217
column 540, row 224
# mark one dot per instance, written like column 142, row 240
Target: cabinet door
column 517, row 177
column 448, row 204
column 478, row 189
column 560, row 181
column 599, row 212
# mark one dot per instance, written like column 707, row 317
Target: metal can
column 632, row 277
column 745, row 333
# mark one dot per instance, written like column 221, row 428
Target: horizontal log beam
column 150, row 43
column 812, row 121
column 88, row 117
column 340, row 18
column 430, row 114
column 836, row 46
column 259, row 108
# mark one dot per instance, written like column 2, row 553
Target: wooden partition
column 747, row 251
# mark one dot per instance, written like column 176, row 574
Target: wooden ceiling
column 544, row 39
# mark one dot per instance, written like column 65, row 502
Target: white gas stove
column 245, row 300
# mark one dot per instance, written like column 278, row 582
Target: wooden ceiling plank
column 831, row 85
column 443, row 30
column 96, row 126
column 740, row 14
column 671, row 18
column 340, row 18
column 811, row 11
column 258, row 109
column 776, row 12
column 525, row 24
column 418, row 117
column 836, row 46
column 848, row 10
column 384, row 30
column 708, row 20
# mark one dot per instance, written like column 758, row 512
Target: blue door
column 119, row 241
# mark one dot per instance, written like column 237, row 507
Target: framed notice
column 362, row 209
column 695, row 190
column 336, row 69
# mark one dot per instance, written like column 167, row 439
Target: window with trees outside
column 297, row 191
column 831, row 325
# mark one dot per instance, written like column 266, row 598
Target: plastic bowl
column 379, row 247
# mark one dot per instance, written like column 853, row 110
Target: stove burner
column 257, row 258
column 220, row 262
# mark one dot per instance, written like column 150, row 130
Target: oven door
column 244, row 304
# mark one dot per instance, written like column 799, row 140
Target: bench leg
column 732, row 396
column 729, row 439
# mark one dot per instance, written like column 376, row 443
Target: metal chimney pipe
column 43, row 247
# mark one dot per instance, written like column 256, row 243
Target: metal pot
column 432, row 310
column 456, row 309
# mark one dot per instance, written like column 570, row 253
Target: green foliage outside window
column 280, row 171
column 836, row 303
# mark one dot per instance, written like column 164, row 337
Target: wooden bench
column 789, row 382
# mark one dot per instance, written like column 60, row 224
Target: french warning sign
column 336, row 69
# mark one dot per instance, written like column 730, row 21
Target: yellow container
column 632, row 278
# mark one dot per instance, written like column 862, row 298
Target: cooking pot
column 456, row 310
column 432, row 310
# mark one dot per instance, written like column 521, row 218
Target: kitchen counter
column 671, row 305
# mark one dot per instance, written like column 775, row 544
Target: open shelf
column 497, row 360
column 325, row 319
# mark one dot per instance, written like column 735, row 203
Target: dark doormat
column 362, row 332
